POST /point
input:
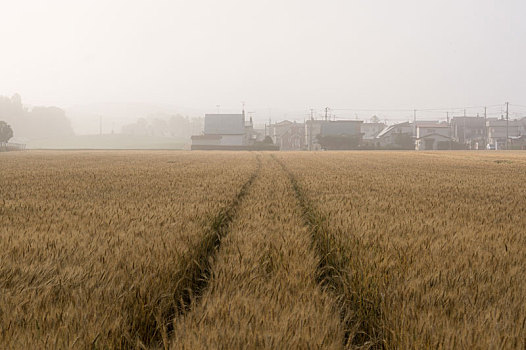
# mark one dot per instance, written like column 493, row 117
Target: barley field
column 322, row 250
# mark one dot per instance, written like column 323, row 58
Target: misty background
column 153, row 68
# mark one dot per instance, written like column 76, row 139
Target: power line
column 371, row 110
column 444, row 109
column 458, row 108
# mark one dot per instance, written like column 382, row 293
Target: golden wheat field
column 322, row 250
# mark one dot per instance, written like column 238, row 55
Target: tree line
column 33, row 123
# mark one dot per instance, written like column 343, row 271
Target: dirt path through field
column 263, row 290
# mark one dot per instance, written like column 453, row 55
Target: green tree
column 5, row 132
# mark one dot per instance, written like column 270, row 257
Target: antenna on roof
column 243, row 104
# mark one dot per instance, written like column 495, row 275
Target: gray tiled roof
column 228, row 124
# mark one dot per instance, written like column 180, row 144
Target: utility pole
column 309, row 129
column 449, row 128
column 414, row 123
column 464, row 130
column 326, row 113
column 507, row 126
column 485, row 127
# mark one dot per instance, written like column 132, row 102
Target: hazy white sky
column 287, row 54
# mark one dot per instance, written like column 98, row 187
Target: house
column 287, row 135
column 371, row 130
column 397, row 136
column 500, row 129
column 340, row 135
column 341, row 128
column 518, row 142
column 432, row 136
column 328, row 134
column 225, row 131
column 312, row 130
column 469, row 131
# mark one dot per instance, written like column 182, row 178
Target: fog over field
column 127, row 59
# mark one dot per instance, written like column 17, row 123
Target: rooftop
column 391, row 127
column 225, row 124
column 433, row 126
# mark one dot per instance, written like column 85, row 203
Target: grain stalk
column 359, row 301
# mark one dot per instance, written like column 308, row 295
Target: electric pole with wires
column 507, row 126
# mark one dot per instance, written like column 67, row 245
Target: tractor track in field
column 332, row 269
column 201, row 268
column 263, row 279
column 194, row 276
